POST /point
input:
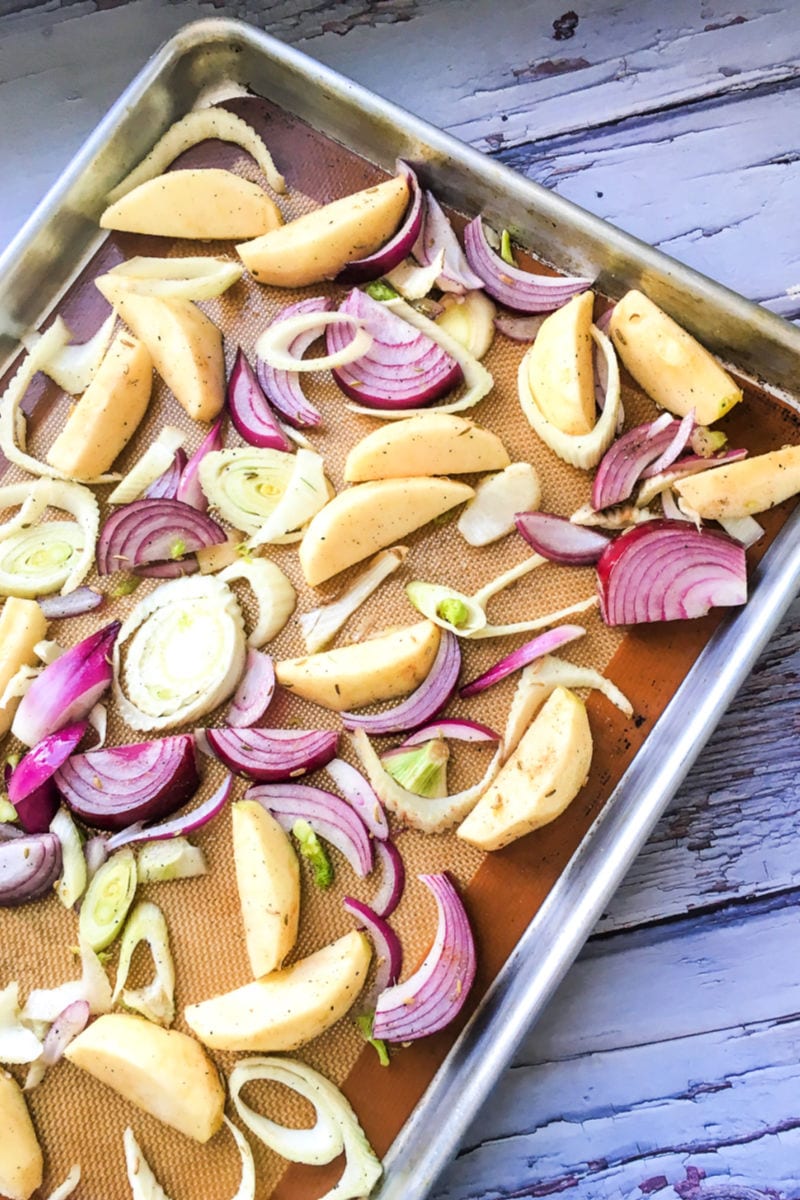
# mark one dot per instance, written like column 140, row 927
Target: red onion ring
column 393, row 878
column 283, row 388
column 429, row 698
column 328, row 815
column 189, row 490
column 557, row 539
column 545, row 643
column 179, row 826
column 359, row 792
column 436, row 234
column 29, row 866
column 82, row 600
column 148, row 532
column 363, row 270
column 250, row 410
column 388, row 951
column 272, row 755
column 166, row 486
column 31, row 788
column 519, row 290
column 254, row 694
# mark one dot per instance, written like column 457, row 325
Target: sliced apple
column 162, row 1071
column 319, row 244
column 543, row 775
column 288, row 1008
column 561, row 369
column 743, row 488
column 208, row 203
column 186, row 347
column 268, row 880
column 20, row 1155
column 672, row 367
column 363, row 519
column 433, row 444
column 22, row 626
column 381, row 668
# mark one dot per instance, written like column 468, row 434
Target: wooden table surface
column 668, row 1063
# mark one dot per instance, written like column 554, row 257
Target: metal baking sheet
column 216, row 59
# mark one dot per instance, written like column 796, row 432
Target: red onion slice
column 437, row 235
column 519, row 329
column 359, row 792
column 519, row 290
column 283, row 388
column 189, row 490
column 675, row 447
column 393, row 878
column 31, row 789
column 68, row 689
column 250, row 410
column 328, row 815
column 545, row 643
column 388, row 951
column 669, row 571
column 67, row 1025
column 363, row 270
column 168, row 570
column 82, row 600
column 557, row 539
column 254, row 694
column 434, row 995
column 626, row 459
column 179, row 826
column 166, row 486
column 29, row 866
column 150, row 532
column 8, row 832
column 113, row 787
column 272, row 755
column 604, row 320
column 429, row 698
column 404, row 367
column 456, row 728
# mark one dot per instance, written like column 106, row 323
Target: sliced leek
column 39, row 559
column 246, row 485
column 320, row 625
column 470, row 320
column 305, row 494
column 45, row 1004
column 274, row 595
column 145, row 1186
column 154, row 462
column 420, row 769
column 412, row 281
column 74, row 877
column 18, row 1044
column 106, row 903
column 274, row 345
column 73, row 367
column 172, row 858
column 196, row 278
column 156, row 1001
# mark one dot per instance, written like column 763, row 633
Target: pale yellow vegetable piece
column 381, row 668
column 288, row 1008
column 743, row 488
column 108, row 413
column 543, row 775
column 319, row 244
column 363, row 519
column 560, row 367
column 268, row 880
column 435, row 444
column 185, row 345
column 206, row 203
column 20, row 1155
column 162, row 1071
column 672, row 367
column 22, row 626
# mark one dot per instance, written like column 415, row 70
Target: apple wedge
column 208, row 204
column 383, row 667
column 108, row 413
column 543, row 775
column 20, row 1155
column 268, row 881
column 186, row 347
column 162, row 1071
column 22, row 626
column 320, row 244
column 672, row 367
column 433, row 444
column 743, row 488
column 363, row 519
column 560, row 367
column 288, row 1008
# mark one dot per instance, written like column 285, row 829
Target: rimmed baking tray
column 219, row 58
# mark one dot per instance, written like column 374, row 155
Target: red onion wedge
column 453, row 727
column 669, row 571
column 113, row 787
column 272, row 755
column 557, row 539
column 68, row 689
column 166, row 486
column 388, row 951
column 363, row 270
column 328, row 815
column 436, row 236
column 360, row 794
column 169, row 570
column 545, row 643
column 519, row 329
column 67, row 1025
column 29, row 866
column 628, row 457
column 180, row 826
column 393, row 878
column 435, row 994
column 250, row 410
column 254, row 694
column 423, row 704
column 82, row 600
column 283, row 388
column 31, row 789
column 147, row 532
column 519, row 290
column 680, row 439
column 189, row 490
column 403, row 368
